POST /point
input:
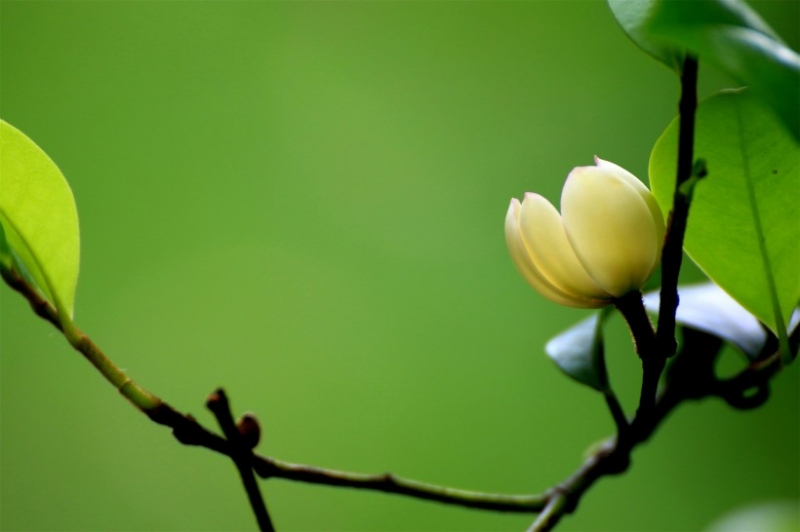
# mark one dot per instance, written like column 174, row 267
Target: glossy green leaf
column 578, row 351
column 725, row 33
column 732, row 37
column 634, row 16
column 39, row 219
column 744, row 222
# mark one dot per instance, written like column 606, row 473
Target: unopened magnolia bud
column 250, row 430
column 605, row 243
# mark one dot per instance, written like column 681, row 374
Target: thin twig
column 40, row 306
column 242, row 456
column 672, row 254
column 632, row 309
column 551, row 515
column 137, row 395
column 388, row 483
column 631, row 306
column 616, row 411
column 189, row 432
column 689, row 380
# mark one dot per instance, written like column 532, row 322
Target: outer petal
column 544, row 237
column 647, row 196
column 528, row 270
column 611, row 229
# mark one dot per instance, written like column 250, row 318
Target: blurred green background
column 303, row 202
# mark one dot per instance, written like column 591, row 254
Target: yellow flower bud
column 605, row 243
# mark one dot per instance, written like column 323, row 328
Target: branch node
column 249, row 430
column 242, row 456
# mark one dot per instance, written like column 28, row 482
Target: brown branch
column 389, row 483
column 242, row 456
column 613, row 457
column 188, row 431
column 672, row 254
column 644, row 338
column 616, row 411
column 690, row 377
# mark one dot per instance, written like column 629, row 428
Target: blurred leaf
column 744, row 224
column 706, row 307
column 39, row 219
column 771, row 516
column 732, row 37
column 578, row 351
column 634, row 16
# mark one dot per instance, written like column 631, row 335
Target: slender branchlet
column 632, row 309
column 241, row 453
column 672, row 254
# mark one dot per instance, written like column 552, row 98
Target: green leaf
column 736, row 40
column 706, row 307
column 6, row 257
column 39, row 220
column 725, row 33
column 634, row 16
column 578, row 351
column 744, row 223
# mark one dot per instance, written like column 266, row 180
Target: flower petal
column 544, row 237
column 610, row 227
column 524, row 264
column 647, row 196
